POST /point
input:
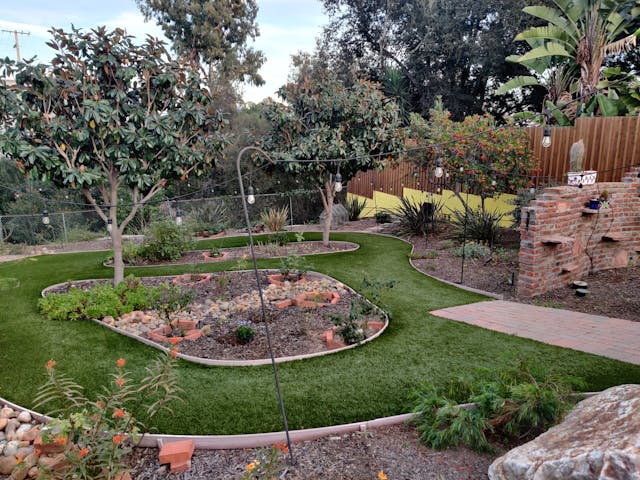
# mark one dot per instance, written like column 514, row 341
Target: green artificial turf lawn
column 370, row 381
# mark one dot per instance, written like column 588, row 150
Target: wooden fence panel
column 612, row 147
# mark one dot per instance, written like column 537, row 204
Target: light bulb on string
column 251, row 198
column 439, row 171
column 546, row 137
column 109, row 225
column 45, row 217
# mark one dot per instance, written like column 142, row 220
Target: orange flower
column 51, row 364
column 118, row 412
column 61, row 440
column 120, row 381
column 83, row 451
column 174, row 340
column 118, row 439
column 382, row 475
column 19, row 460
column 282, row 447
column 121, row 362
column 174, row 352
column 252, row 465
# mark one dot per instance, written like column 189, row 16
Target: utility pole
column 15, row 36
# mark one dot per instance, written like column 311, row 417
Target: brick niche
column 562, row 240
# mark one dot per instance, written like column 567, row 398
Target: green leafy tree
column 322, row 119
column 497, row 159
column 214, row 34
column 577, row 39
column 109, row 115
column 449, row 48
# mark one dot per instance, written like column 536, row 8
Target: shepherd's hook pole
column 262, row 304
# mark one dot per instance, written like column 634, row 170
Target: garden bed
column 262, row 250
column 223, row 302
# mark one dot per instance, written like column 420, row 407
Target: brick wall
column 562, row 240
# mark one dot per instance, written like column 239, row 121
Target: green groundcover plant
column 512, row 405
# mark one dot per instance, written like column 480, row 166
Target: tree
column 108, row 115
column 498, row 159
column 578, row 38
column 214, row 34
column 454, row 49
column 322, row 119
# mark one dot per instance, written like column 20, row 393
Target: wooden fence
column 612, row 147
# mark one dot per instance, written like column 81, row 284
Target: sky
column 286, row 27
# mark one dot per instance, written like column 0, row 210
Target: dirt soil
column 613, row 293
column 394, row 450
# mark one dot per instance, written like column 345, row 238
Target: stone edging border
column 244, row 363
column 258, row 257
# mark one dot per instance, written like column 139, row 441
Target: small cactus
column 576, row 155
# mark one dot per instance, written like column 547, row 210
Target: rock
column 24, row 452
column 24, row 417
column 7, row 412
column 31, row 435
column 109, row 320
column 33, row 472
column 25, row 427
column 3, row 423
column 10, row 429
column 7, row 463
column 339, row 216
column 598, row 439
column 11, row 448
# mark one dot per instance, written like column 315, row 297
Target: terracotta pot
column 279, row 279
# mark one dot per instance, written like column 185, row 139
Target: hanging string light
column 251, row 198
column 45, row 217
column 109, row 225
column 439, row 172
column 338, row 179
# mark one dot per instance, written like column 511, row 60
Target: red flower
column 61, row 440
column 118, row 439
column 174, row 340
column 121, row 362
column 120, row 381
column 51, row 364
column 118, row 412
column 83, row 451
column 174, row 352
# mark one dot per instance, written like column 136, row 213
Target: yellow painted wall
column 384, row 201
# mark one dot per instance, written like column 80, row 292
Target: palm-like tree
column 579, row 34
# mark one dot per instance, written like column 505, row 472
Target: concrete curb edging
column 243, row 363
column 253, row 440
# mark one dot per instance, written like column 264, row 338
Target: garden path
column 609, row 337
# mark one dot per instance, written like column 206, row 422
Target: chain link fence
column 226, row 212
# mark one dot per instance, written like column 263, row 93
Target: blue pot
column 594, row 204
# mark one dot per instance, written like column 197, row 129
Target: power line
column 17, row 41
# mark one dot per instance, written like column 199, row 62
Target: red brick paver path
column 608, row 337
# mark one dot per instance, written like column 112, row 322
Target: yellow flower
column 382, row 475
column 252, row 465
column 92, row 124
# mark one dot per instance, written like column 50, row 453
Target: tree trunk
column 327, row 200
column 118, row 263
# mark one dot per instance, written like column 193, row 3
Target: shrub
column 274, row 218
column 279, row 238
column 293, row 265
column 416, row 218
column 165, row 241
column 170, row 299
column 97, row 435
column 82, row 234
column 99, row 301
column 354, row 207
column 350, row 328
column 512, row 403
column 64, row 306
column 210, row 216
column 245, row 332
column 382, row 217
column 473, row 250
column 481, row 225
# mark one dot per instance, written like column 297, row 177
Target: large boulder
column 599, row 439
column 339, row 216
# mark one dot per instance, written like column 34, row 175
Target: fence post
column 290, row 210
column 64, row 229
